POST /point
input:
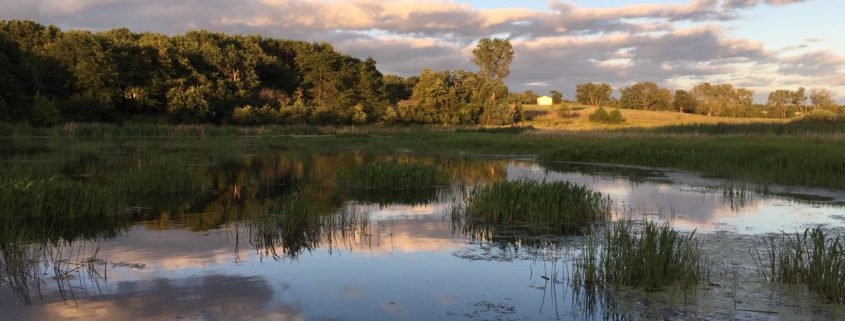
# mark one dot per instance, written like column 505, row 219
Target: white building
column 545, row 101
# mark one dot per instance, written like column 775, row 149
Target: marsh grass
column 158, row 180
column 392, row 176
column 758, row 161
column 813, row 257
column 649, row 257
column 55, row 197
column 540, row 207
column 294, row 225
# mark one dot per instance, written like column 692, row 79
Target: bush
column 248, row 115
column 358, row 116
column 602, row 116
column 599, row 116
column 44, row 112
column 823, row 115
column 615, row 117
column 564, row 111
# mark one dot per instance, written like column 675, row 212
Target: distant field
column 547, row 117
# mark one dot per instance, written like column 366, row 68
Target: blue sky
column 761, row 45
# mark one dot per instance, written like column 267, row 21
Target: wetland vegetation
column 294, row 199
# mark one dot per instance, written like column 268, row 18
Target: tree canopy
column 493, row 57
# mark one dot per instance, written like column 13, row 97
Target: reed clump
column 650, row 257
column 55, row 197
column 813, row 257
column 294, row 225
column 393, row 176
column 540, row 206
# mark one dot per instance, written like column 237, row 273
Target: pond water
column 205, row 255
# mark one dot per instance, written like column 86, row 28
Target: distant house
column 545, row 101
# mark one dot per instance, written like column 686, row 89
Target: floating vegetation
column 394, row 176
column 649, row 258
column 814, row 258
column 538, row 207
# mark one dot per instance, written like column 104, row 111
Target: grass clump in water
column 814, row 258
column 294, row 225
column 541, row 207
column 55, row 197
column 648, row 258
column 394, row 176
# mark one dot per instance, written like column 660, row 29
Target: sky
column 756, row 44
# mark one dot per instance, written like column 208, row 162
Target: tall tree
column 593, row 94
column 781, row 100
column 645, row 96
column 821, row 99
column 722, row 99
column 557, row 97
column 799, row 99
column 683, row 102
column 493, row 57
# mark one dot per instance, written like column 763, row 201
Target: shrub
column 358, row 116
column 390, row 115
column 602, row 116
column 44, row 112
column 615, row 117
column 599, row 116
column 823, row 115
column 564, row 111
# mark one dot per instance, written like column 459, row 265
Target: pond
column 208, row 249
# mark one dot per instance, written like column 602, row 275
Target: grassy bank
column 798, row 153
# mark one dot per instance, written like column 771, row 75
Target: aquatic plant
column 54, row 197
column 812, row 257
column 649, row 257
column 158, row 180
column 539, row 206
column 392, row 175
column 293, row 226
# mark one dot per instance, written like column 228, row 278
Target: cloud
column 670, row 44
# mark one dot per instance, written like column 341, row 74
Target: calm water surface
column 393, row 257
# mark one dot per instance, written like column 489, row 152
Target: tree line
column 709, row 99
column 49, row 76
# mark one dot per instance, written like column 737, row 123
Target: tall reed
column 541, row 207
column 392, row 175
column 649, row 257
column 812, row 257
column 56, row 197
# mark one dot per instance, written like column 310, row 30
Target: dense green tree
column 493, row 57
column 14, row 83
column 398, row 88
column 683, row 102
column 645, row 96
column 44, row 112
column 557, row 97
column 716, row 99
column 593, row 94
column 787, row 101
